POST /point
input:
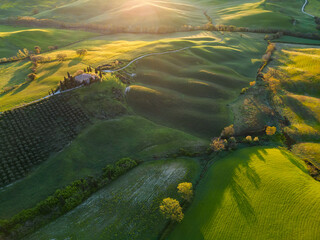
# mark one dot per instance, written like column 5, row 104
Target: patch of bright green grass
column 126, row 209
column 254, row 193
column 104, row 142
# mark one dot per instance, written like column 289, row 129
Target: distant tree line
column 62, row 201
column 30, row 21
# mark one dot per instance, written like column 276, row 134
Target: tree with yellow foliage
column 171, row 209
column 271, row 130
column 185, row 190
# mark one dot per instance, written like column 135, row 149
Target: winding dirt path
column 303, row 8
column 152, row 54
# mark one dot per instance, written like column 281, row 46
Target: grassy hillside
column 308, row 151
column 255, row 193
column 27, row 8
column 14, row 38
column 100, row 144
column 135, row 13
column 139, row 14
column 127, row 208
column 190, row 90
column 294, row 77
column 101, row 50
column 285, row 14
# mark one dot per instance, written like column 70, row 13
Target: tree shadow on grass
column 294, row 161
column 243, row 201
column 218, row 181
column 21, row 88
column 52, row 71
column 75, row 61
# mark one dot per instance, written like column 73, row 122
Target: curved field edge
column 103, row 143
column 128, row 207
column 254, row 193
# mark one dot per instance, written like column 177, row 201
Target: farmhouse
column 85, row 78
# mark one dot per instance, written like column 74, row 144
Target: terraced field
column 190, row 90
column 258, row 192
column 127, row 208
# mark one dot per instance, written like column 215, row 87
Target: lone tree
column 271, row 130
column 227, row 131
column 37, row 50
column 218, row 144
column 32, row 76
column 171, row 209
column 61, row 56
column 185, row 190
column 82, row 52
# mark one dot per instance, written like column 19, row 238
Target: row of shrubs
column 227, row 141
column 30, row 21
column 25, row 53
column 62, row 201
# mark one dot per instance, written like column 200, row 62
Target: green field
column 14, row 38
column 254, row 193
column 127, row 208
column 103, row 143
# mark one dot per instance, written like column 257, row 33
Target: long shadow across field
column 219, row 183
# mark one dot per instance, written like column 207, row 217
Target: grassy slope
column 153, row 13
column 101, row 50
column 100, row 144
column 126, row 209
column 255, row 193
column 141, row 13
column 300, row 90
column 14, row 38
column 261, row 14
column 190, row 90
column 309, row 151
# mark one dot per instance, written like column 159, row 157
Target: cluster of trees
column 171, row 208
column 62, row 201
column 227, row 141
column 70, row 81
